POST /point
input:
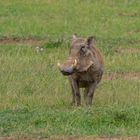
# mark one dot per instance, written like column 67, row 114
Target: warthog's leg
column 76, row 92
column 89, row 92
column 73, row 95
column 85, row 93
column 72, row 91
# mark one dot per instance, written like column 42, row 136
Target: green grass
column 63, row 18
column 73, row 121
column 35, row 97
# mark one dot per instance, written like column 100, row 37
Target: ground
column 34, row 96
column 74, row 138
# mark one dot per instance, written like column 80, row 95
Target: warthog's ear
column 91, row 41
column 74, row 37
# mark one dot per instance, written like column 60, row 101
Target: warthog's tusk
column 58, row 64
column 75, row 63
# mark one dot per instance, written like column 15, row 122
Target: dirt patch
column 122, row 75
column 98, row 138
column 14, row 138
column 128, row 14
column 127, row 50
column 22, row 41
column 73, row 138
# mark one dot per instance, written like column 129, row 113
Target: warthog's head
column 80, row 56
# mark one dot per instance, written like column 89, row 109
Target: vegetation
column 35, row 97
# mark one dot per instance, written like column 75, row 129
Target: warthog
column 84, row 68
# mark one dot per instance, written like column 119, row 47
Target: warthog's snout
column 68, row 67
column 67, row 71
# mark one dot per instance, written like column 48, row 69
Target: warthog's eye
column 83, row 49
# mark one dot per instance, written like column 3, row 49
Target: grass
column 55, row 19
column 35, row 97
column 81, row 121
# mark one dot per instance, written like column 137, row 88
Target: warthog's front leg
column 89, row 92
column 75, row 92
column 73, row 95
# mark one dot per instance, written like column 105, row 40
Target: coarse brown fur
column 84, row 68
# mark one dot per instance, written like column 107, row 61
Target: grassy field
column 35, row 97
